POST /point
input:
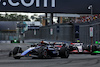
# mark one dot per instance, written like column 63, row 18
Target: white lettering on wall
column 12, row 3
column 37, row 3
column 45, row 3
column 27, row 4
column 53, row 3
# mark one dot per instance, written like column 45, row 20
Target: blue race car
column 42, row 50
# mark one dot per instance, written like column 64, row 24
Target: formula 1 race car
column 95, row 49
column 78, row 48
column 42, row 50
column 15, row 41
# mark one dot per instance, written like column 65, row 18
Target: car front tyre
column 15, row 51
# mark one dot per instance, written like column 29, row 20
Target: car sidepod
column 30, row 52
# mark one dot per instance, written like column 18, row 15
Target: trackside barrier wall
column 67, row 32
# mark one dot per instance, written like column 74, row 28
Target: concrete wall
column 65, row 33
column 30, row 34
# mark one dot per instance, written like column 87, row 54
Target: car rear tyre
column 94, row 48
column 64, row 52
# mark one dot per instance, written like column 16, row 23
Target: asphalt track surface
column 74, row 60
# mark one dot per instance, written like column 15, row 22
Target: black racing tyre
column 94, row 48
column 45, row 54
column 18, row 41
column 64, row 52
column 42, row 53
column 15, row 51
column 12, row 41
column 71, row 48
column 88, row 48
